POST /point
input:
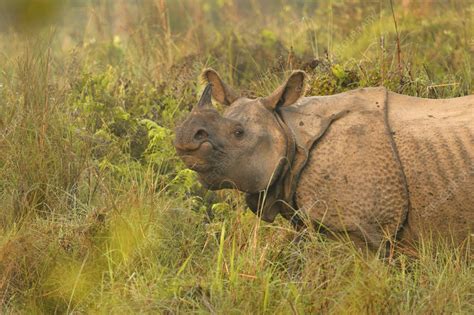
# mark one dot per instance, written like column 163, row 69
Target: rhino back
column 435, row 141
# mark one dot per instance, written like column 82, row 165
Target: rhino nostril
column 200, row 134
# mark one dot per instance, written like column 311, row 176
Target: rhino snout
column 190, row 141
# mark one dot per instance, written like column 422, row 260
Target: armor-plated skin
column 368, row 163
column 435, row 140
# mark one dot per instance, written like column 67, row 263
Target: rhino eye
column 200, row 134
column 239, row 133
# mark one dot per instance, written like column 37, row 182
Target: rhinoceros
column 367, row 163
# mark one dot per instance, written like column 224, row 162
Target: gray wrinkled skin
column 368, row 163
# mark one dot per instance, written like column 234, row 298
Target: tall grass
column 97, row 214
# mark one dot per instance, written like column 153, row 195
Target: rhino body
column 368, row 163
column 374, row 175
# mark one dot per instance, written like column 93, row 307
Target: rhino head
column 246, row 146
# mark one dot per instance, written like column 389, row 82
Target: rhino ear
column 221, row 92
column 288, row 93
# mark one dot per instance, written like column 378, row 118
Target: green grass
column 98, row 215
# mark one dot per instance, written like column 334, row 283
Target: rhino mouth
column 198, row 159
column 206, row 159
column 208, row 173
column 196, row 164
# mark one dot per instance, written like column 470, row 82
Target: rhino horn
column 205, row 100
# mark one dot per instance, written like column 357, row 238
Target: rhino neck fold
column 279, row 197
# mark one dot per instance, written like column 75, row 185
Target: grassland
column 97, row 214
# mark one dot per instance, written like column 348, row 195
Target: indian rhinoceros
column 368, row 163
